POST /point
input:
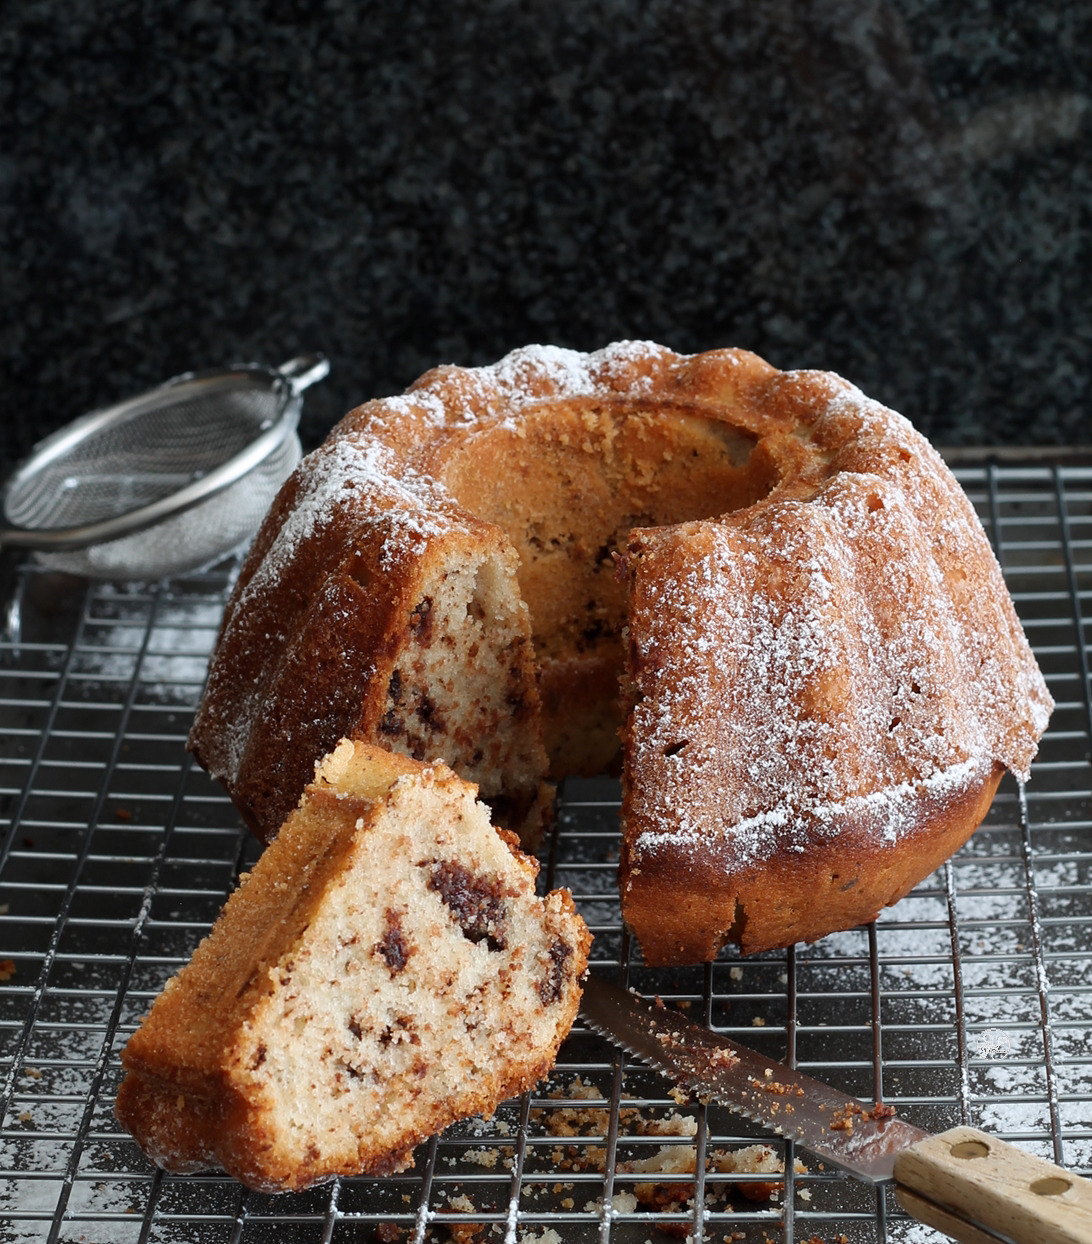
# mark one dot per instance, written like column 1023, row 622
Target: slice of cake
column 385, row 969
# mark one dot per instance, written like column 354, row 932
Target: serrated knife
column 974, row 1187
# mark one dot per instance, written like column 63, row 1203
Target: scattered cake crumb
column 482, row 1157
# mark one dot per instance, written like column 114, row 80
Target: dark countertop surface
column 897, row 191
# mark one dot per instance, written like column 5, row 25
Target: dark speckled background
column 898, row 191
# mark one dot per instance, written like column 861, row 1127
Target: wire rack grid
column 970, row 1001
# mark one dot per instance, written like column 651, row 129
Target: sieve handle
column 305, row 370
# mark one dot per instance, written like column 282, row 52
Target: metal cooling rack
column 971, row 1001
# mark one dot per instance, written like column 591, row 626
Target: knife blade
column 967, row 1183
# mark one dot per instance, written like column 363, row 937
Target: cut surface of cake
column 375, row 608
column 384, row 970
column 769, row 584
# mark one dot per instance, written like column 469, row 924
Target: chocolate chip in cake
column 475, row 902
column 394, row 687
column 393, row 948
column 549, row 989
column 400, row 1030
column 421, row 622
column 426, row 711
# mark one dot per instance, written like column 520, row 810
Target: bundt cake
column 385, row 969
column 822, row 675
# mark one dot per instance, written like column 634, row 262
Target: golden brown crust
column 188, row 1133
column 843, row 880
column 174, row 1129
column 337, row 571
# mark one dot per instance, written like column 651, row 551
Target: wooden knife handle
column 968, row 1184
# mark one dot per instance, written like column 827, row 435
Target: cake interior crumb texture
column 465, row 641
column 385, row 970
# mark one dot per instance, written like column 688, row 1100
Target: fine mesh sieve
column 164, row 482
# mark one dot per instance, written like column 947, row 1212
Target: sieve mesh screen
column 166, row 444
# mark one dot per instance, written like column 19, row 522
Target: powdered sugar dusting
column 808, row 663
column 346, row 471
column 462, row 396
column 565, row 373
column 533, row 372
column 419, row 401
column 341, row 473
column 785, row 827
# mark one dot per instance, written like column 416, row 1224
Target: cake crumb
column 482, row 1157
column 7, row 969
column 758, row 1022
column 463, row 1232
column 735, row 972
